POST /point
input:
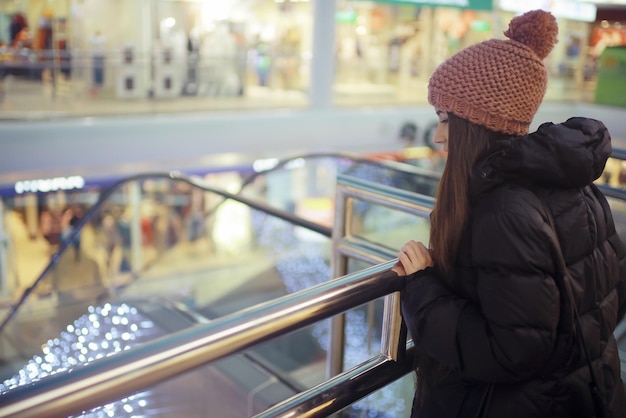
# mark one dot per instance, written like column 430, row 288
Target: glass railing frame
column 343, row 390
column 348, row 245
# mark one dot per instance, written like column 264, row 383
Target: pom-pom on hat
column 498, row 84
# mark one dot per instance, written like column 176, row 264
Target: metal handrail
column 618, row 153
column 344, row 389
column 111, row 378
column 612, row 192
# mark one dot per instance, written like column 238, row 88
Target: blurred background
column 115, row 57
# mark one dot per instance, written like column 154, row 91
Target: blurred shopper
column 407, row 134
column 124, row 231
column 69, row 222
column 43, row 35
column 18, row 31
column 522, row 244
column 50, row 224
column 262, row 63
column 110, row 240
column 195, row 225
column 98, row 55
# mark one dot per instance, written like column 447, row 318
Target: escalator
column 197, row 281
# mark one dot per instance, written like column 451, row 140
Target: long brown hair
column 467, row 144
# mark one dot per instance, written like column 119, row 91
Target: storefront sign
column 572, row 10
column 49, row 185
column 464, row 4
column 605, row 2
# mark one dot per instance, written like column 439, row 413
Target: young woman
column 487, row 304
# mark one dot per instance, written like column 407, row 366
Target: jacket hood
column 567, row 155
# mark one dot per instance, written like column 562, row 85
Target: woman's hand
column 413, row 256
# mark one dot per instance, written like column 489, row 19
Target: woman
column 486, row 306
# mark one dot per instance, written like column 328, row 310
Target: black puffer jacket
column 508, row 320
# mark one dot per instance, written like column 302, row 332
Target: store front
column 568, row 63
column 29, row 33
column 391, row 47
column 165, row 48
column 180, row 50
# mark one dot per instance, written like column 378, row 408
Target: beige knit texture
column 498, row 84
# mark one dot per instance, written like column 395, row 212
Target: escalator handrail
column 386, row 164
column 613, row 192
column 111, row 378
column 618, row 153
column 173, row 175
column 176, row 175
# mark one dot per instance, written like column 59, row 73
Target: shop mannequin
column 193, row 55
column 43, row 39
column 218, row 53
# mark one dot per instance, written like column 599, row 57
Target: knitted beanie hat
column 498, row 84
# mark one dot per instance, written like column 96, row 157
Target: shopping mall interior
column 92, row 57
column 200, row 200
